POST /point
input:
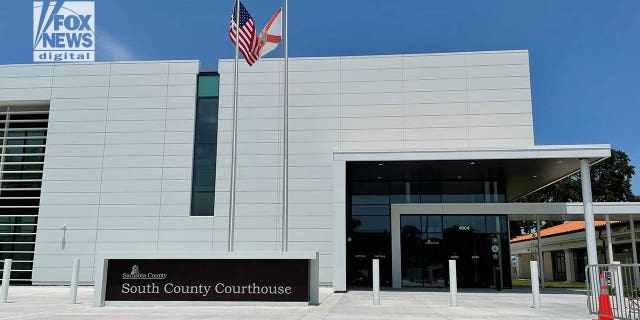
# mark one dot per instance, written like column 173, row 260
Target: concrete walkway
column 472, row 304
column 53, row 303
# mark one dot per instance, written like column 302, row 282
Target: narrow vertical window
column 205, row 144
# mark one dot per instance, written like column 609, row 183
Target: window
column 370, row 224
column 559, row 266
column 431, row 192
column 462, row 192
column 370, row 193
column 205, row 146
column 475, row 224
column 579, row 263
column 405, row 192
column 23, row 132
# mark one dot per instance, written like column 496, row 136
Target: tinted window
column 205, row 147
column 462, row 192
column 370, row 210
column 474, row 223
column 367, row 224
column 404, row 192
column 370, row 193
column 208, row 86
column 430, row 192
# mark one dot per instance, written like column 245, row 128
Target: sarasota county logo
column 64, row 31
column 135, row 270
column 136, row 274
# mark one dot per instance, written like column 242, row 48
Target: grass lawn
column 550, row 284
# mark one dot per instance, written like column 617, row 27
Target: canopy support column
column 589, row 220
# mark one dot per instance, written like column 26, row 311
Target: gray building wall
column 118, row 159
column 404, row 102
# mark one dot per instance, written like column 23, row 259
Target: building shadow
column 517, row 290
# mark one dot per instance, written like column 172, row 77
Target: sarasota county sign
column 286, row 280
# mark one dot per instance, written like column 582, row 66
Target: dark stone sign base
column 134, row 281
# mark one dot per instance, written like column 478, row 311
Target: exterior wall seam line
column 104, row 143
column 164, row 145
column 466, row 93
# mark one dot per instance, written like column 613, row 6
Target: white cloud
column 109, row 48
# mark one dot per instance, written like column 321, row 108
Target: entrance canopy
column 506, row 174
column 523, row 211
column 525, row 170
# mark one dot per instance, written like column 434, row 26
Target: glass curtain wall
column 372, row 188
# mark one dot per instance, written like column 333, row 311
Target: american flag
column 248, row 41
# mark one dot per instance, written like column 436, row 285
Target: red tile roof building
column 567, row 227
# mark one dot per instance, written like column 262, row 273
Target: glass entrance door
column 473, row 257
column 478, row 243
column 422, row 252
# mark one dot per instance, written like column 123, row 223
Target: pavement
column 53, row 303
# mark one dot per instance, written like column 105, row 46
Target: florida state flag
column 271, row 34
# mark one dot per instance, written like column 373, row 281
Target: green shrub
column 632, row 292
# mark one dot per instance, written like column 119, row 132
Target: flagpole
column 232, row 188
column 285, row 157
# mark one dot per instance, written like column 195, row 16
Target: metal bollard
column 6, row 277
column 376, row 282
column 74, row 280
column 453, row 283
column 535, row 286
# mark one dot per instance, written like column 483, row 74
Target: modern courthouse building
column 412, row 159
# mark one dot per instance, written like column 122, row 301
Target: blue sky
column 585, row 55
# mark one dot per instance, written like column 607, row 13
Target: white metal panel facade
column 424, row 101
column 118, row 160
